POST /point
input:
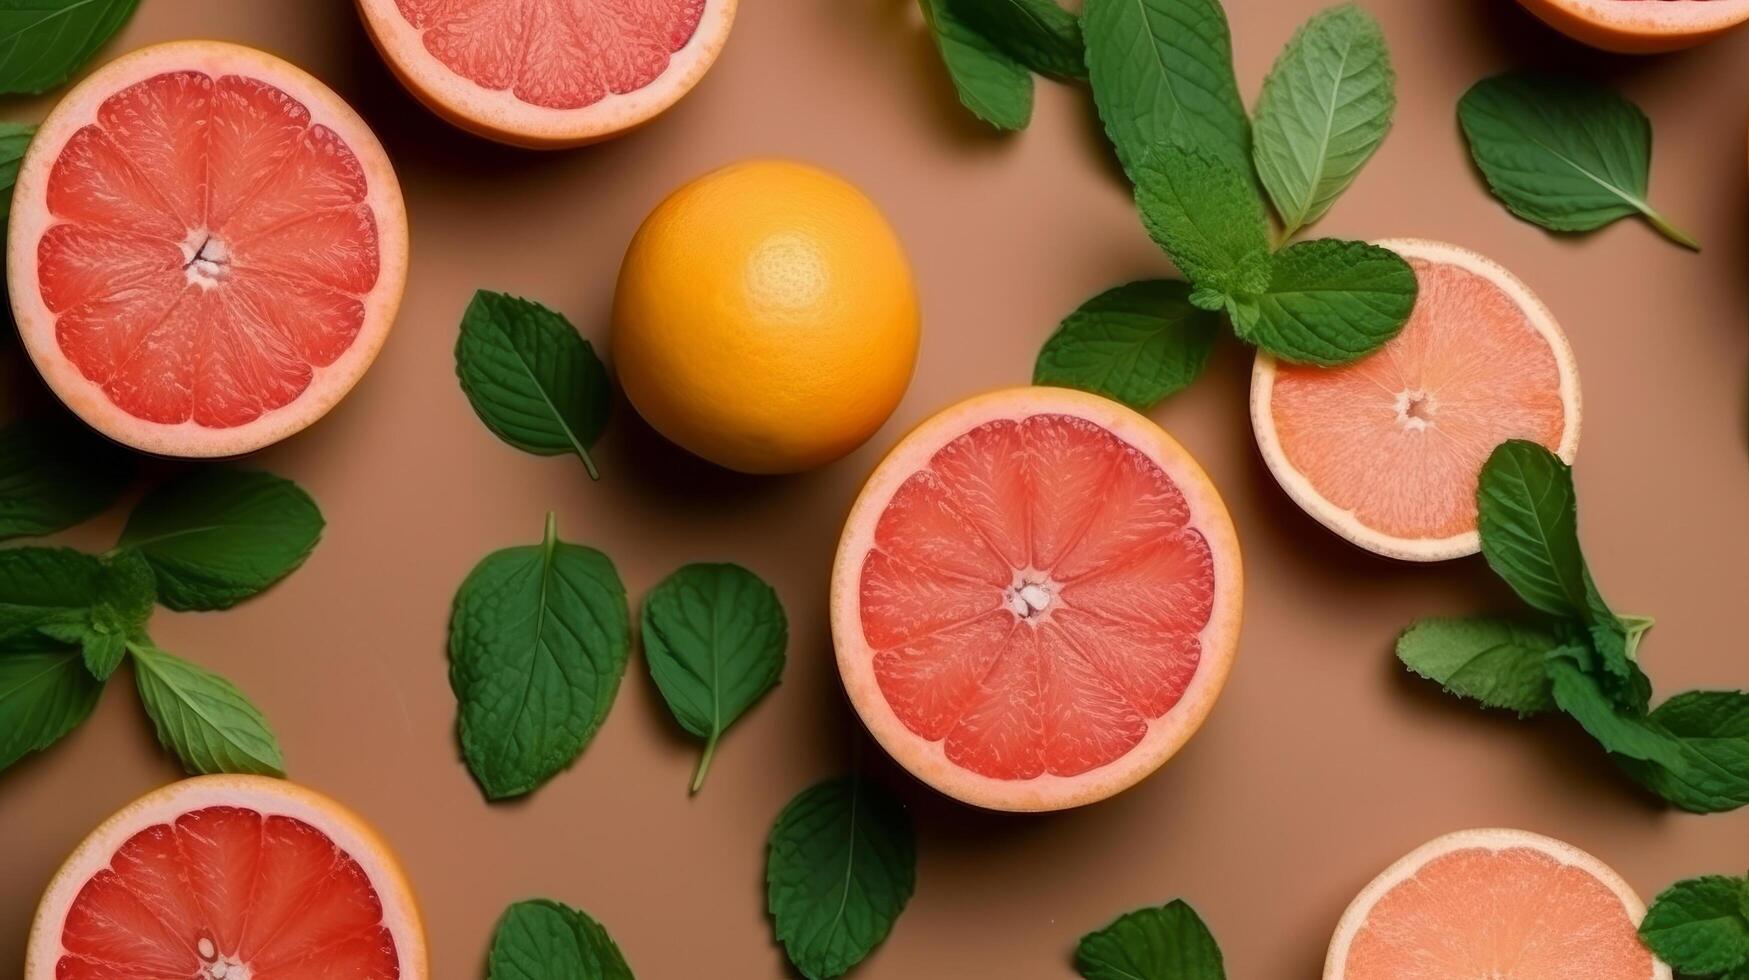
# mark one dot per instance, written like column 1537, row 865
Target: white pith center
column 205, row 259
column 216, row 967
column 1031, row 596
column 1416, row 408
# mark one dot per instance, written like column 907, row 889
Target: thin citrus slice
column 1036, row 599
column 1387, row 451
column 549, row 73
column 1641, row 26
column 229, row 878
column 207, row 249
column 1494, row 905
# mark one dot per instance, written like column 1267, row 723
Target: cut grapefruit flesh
column 207, row 249
column 1387, row 451
column 229, row 878
column 549, row 73
column 1494, row 905
column 1036, row 599
column 1640, row 26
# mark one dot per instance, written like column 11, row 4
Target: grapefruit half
column 1387, row 451
column 207, row 249
column 1640, row 26
column 1036, row 599
column 229, row 878
column 549, row 73
column 1504, row 904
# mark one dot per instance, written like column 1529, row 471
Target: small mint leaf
column 1137, row 343
column 1498, row 662
column 1166, row 943
column 1697, row 925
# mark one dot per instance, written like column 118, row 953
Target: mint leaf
column 544, row 940
column 1709, row 734
column 202, row 718
column 45, row 692
column 43, row 42
column 1203, row 210
column 531, row 378
column 538, row 642
column 1039, row 34
column 54, row 472
column 1566, row 154
column 841, row 865
column 1166, row 943
column 1162, row 71
column 1577, row 690
column 49, row 591
column 14, row 140
column 216, row 536
column 1697, row 925
column 995, row 87
column 1325, row 108
column 1136, row 344
column 715, row 637
column 126, row 594
column 1328, row 302
column 1498, row 662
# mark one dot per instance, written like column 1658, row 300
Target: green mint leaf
column 1498, row 662
column 1566, row 154
column 1166, row 943
column 544, row 940
column 995, row 87
column 126, row 594
column 841, row 864
column 14, row 140
column 202, row 718
column 216, row 536
column 1325, row 108
column 715, row 637
column 45, row 692
column 1203, row 210
column 538, row 642
column 1136, row 344
column 43, row 42
column 1162, row 71
column 1709, row 733
column 1039, row 34
column 1697, row 925
column 531, row 378
column 54, row 472
column 1328, row 302
column 48, row 591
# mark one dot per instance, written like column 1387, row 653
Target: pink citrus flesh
column 1497, row 904
column 207, row 249
column 1036, row 599
column 1387, row 451
column 229, row 877
column 549, row 73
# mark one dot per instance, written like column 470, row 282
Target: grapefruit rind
column 499, row 115
column 1640, row 28
column 927, row 760
column 31, row 218
column 270, row 797
column 1491, row 839
column 1344, row 522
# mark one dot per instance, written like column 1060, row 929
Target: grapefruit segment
column 1387, row 451
column 1494, row 903
column 207, row 249
column 1036, row 599
column 1640, row 26
column 229, row 877
column 547, row 73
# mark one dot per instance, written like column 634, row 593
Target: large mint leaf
column 1325, row 108
column 202, row 718
column 544, row 940
column 1166, row 943
column 45, row 692
column 43, row 42
column 1697, row 925
column 1328, row 302
column 1204, row 211
column 1136, row 343
column 54, row 472
column 1498, row 662
column 1039, row 34
column 994, row 86
column 842, row 863
column 1709, row 732
column 538, row 642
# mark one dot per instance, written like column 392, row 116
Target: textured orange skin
column 1564, row 18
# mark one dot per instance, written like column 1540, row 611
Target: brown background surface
column 1323, row 762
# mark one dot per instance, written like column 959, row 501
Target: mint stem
column 704, row 762
column 588, row 464
column 1670, row 231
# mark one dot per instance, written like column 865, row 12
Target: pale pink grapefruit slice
column 549, row 73
column 1494, row 905
column 1641, row 26
column 1036, row 599
column 207, row 249
column 1387, row 451
column 229, row 878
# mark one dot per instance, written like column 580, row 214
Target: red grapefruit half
column 1036, row 599
column 1641, row 26
column 549, row 73
column 1504, row 904
column 229, row 878
column 1387, row 451
column 207, row 249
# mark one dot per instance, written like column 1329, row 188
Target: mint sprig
column 1574, row 652
column 1699, row 926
